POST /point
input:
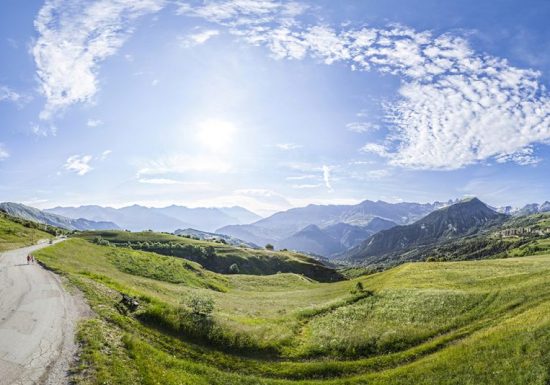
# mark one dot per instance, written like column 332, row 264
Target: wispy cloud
column 455, row 107
column 378, row 149
column 301, row 177
column 181, row 164
column 79, row 164
column 361, row 127
column 378, row 174
column 94, row 123
column 243, row 12
column 105, row 154
column 4, row 154
column 198, row 38
column 524, row 157
column 306, row 186
column 327, row 176
column 9, row 95
column 74, row 37
column 288, row 146
column 160, row 181
column 44, row 129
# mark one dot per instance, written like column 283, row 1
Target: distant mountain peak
column 462, row 218
column 33, row 214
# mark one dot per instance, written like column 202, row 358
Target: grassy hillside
column 218, row 257
column 478, row 322
column 486, row 244
column 15, row 233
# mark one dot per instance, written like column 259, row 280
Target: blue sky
column 272, row 104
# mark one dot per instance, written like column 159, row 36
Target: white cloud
column 361, row 127
column 523, row 157
column 326, row 177
column 378, row 174
column 79, row 164
column 306, row 186
column 105, row 154
column 377, row 149
column 74, row 37
column 160, row 181
column 301, row 177
column 4, row 154
column 94, row 123
column 181, row 164
column 288, row 146
column 243, row 12
column 9, row 95
column 198, row 38
column 43, row 129
column 455, row 107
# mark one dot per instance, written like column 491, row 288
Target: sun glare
column 216, row 135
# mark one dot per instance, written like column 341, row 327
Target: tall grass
column 479, row 322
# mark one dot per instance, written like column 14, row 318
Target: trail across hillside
column 37, row 321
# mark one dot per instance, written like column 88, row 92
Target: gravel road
column 37, row 322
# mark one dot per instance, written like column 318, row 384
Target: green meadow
column 472, row 322
column 15, row 233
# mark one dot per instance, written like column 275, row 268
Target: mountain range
column 168, row 219
column 30, row 213
column 207, row 236
column 464, row 218
column 329, row 229
column 528, row 209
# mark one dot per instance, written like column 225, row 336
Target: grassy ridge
column 478, row 322
column 16, row 233
column 218, row 257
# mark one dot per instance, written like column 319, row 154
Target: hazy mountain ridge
column 30, row 213
column 169, row 219
column 461, row 219
column 283, row 228
column 207, row 236
column 528, row 209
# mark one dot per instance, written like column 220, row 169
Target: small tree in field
column 209, row 251
column 359, row 287
column 201, row 306
column 269, row 246
column 234, row 269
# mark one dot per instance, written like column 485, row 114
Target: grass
column 475, row 322
column 17, row 233
column 217, row 256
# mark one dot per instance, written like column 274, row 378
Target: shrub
column 209, row 251
column 201, row 306
column 234, row 269
column 269, row 246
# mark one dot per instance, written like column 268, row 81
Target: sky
column 272, row 104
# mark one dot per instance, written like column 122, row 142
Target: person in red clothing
column 28, row 259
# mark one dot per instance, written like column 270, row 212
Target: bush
column 209, row 252
column 201, row 306
column 234, row 269
column 269, row 246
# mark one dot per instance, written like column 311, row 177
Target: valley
column 450, row 305
column 430, row 322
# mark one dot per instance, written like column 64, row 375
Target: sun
column 216, row 135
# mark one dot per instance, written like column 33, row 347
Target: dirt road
column 37, row 322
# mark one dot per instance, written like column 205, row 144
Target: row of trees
column 165, row 248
